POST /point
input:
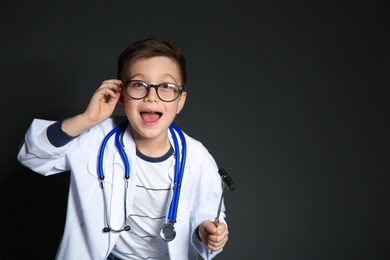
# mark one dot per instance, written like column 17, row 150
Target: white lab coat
column 83, row 237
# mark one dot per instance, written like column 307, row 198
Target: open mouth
column 150, row 117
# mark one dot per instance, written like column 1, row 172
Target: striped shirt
column 148, row 213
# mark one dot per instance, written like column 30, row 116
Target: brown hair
column 149, row 48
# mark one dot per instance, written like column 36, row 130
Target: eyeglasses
column 139, row 89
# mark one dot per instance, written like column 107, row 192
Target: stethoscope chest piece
column 167, row 232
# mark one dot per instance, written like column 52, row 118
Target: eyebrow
column 142, row 75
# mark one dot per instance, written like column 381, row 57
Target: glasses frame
column 155, row 86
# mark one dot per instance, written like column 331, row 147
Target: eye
column 167, row 87
column 138, row 84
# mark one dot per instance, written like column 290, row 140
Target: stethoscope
column 167, row 231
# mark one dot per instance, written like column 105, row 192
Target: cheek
column 129, row 106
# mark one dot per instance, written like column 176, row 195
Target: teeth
column 152, row 112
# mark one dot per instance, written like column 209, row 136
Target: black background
column 290, row 97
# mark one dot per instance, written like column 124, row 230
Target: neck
column 152, row 147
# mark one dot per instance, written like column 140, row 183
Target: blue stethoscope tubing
column 117, row 130
column 179, row 167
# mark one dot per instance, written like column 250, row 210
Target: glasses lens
column 168, row 91
column 137, row 89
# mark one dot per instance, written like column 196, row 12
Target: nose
column 152, row 94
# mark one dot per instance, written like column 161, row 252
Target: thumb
column 209, row 226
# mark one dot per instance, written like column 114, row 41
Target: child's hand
column 214, row 237
column 104, row 100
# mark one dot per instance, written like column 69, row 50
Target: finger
column 219, row 238
column 218, row 244
column 109, row 88
column 112, row 81
column 221, row 228
column 217, row 230
column 112, row 87
column 216, row 239
column 106, row 93
column 112, row 84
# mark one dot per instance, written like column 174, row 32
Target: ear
column 121, row 101
column 182, row 101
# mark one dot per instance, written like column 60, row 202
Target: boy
column 122, row 193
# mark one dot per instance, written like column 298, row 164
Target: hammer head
column 227, row 179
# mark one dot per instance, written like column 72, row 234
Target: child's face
column 150, row 117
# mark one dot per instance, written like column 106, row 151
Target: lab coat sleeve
column 209, row 190
column 38, row 154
